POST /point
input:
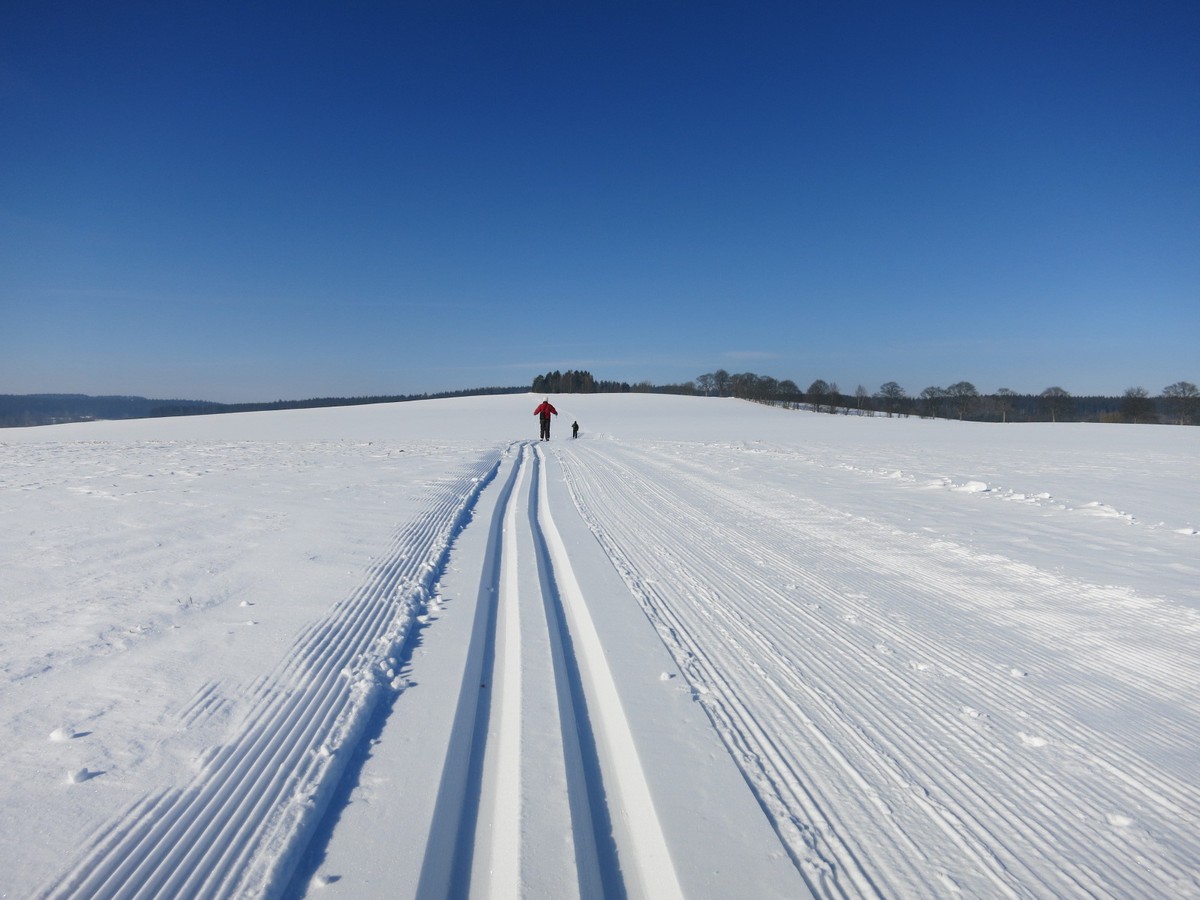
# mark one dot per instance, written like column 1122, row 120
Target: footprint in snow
column 1029, row 740
column 1117, row 820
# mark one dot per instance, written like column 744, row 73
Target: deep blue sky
column 251, row 201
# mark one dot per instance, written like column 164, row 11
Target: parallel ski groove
column 504, row 856
column 466, row 835
column 597, row 872
column 686, row 594
column 638, row 833
column 490, row 790
column 450, row 846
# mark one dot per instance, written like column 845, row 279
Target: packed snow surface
column 708, row 649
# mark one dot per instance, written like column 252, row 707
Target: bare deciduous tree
column 789, row 392
column 1056, row 402
column 931, row 400
column 1004, row 402
column 721, row 382
column 892, row 396
column 963, row 395
column 818, row 394
column 1181, row 398
column 1136, row 405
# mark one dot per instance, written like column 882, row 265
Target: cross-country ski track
column 661, row 668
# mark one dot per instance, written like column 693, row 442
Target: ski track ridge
column 238, row 828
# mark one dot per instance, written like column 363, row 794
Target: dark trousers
column 545, row 420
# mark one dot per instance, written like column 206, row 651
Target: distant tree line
column 48, row 409
column 581, row 382
column 1179, row 403
column 18, row 410
column 320, row 402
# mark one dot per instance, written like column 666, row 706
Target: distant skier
column 574, row 429
column 544, row 412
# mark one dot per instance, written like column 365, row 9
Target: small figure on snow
column 574, row 429
column 544, row 412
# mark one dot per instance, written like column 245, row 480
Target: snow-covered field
column 710, row 649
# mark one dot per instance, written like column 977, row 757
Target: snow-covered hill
column 710, row 649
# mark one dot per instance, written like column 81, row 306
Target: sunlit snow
column 708, row 649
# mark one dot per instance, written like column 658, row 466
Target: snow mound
column 973, row 487
column 1103, row 510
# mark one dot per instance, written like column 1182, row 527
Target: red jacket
column 545, row 409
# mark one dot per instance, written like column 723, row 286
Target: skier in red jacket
column 545, row 411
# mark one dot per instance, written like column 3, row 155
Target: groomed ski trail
column 237, row 829
column 550, row 768
column 827, row 650
column 543, row 786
